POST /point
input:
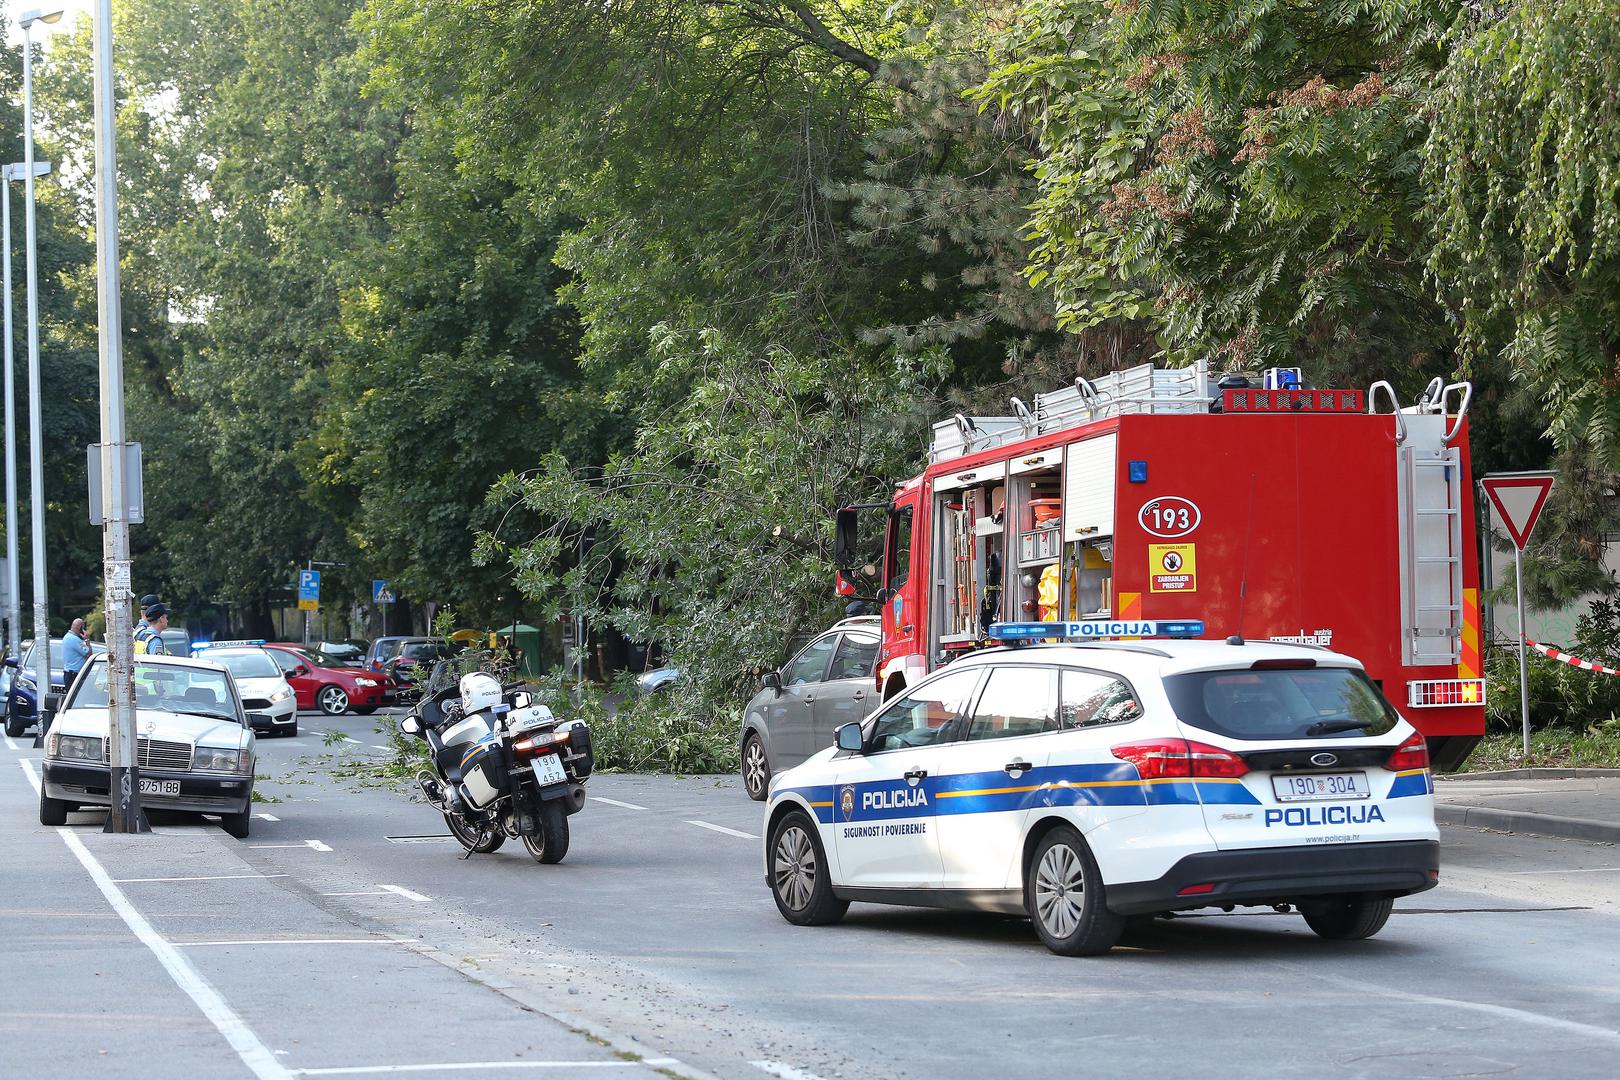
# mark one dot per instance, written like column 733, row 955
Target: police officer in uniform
column 146, row 601
column 148, row 635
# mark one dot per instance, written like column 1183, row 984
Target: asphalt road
column 349, row 937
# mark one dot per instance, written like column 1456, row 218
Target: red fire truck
column 1270, row 512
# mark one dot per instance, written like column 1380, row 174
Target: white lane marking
column 254, row 1054
column 784, row 1072
column 28, row 771
column 722, row 829
column 340, row 737
column 373, row 892
column 400, row 890
column 1586, row 870
column 315, row 844
column 291, row 941
column 11, row 745
column 216, row 877
column 267, row 817
column 379, row 746
column 1607, row 1035
column 616, row 802
column 353, row 1070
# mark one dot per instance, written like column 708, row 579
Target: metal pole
column 309, row 565
column 13, row 570
column 1524, row 684
column 126, row 816
column 36, row 436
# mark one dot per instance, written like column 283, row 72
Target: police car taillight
column 1411, row 754
column 1160, row 759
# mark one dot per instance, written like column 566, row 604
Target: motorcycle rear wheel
column 478, row 841
column 550, row 844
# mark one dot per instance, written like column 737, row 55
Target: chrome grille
column 156, row 754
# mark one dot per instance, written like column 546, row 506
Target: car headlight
column 365, row 682
column 25, row 681
column 208, row 759
column 74, row 748
column 282, row 695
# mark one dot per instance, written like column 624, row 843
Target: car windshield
column 426, row 650
column 175, row 688
column 246, row 663
column 1284, row 703
column 56, row 655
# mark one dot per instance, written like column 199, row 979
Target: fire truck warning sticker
column 1174, row 567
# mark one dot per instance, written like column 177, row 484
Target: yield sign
column 1518, row 498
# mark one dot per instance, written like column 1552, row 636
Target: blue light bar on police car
column 198, row 646
column 1097, row 629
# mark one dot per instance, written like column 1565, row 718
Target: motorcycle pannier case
column 578, row 757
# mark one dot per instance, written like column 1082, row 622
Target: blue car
column 22, row 697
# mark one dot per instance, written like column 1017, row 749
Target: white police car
column 1081, row 783
column 270, row 701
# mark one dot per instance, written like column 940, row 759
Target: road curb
column 1518, row 821
column 1532, row 774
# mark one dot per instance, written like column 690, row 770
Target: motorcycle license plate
column 160, row 787
column 548, row 769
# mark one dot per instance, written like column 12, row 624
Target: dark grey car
column 794, row 715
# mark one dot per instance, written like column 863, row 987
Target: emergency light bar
column 199, row 646
column 1097, row 630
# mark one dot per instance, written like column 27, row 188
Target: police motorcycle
column 503, row 766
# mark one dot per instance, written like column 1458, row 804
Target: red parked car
column 322, row 684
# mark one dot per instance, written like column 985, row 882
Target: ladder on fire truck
column 1141, row 389
column 1430, row 527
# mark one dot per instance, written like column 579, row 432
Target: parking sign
column 309, row 590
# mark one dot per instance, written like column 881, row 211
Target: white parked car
column 195, row 750
column 1081, row 784
column 271, row 704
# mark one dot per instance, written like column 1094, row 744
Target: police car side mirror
column 410, row 725
column 773, row 679
column 850, row 737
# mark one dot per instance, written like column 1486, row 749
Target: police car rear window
column 1318, row 703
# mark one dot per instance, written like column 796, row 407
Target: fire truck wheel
column 756, row 769
column 1064, row 894
column 1351, row 917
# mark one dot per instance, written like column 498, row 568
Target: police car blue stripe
column 996, row 792
column 1411, row 784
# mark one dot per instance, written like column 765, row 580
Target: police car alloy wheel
column 1064, row 894
column 756, row 770
column 1347, row 918
column 799, row 879
column 332, row 700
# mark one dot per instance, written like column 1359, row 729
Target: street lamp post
column 126, row 815
column 13, row 612
column 36, row 437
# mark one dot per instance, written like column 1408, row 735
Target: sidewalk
column 1576, row 804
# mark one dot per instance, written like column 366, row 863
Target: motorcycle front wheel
column 550, row 844
column 479, row 841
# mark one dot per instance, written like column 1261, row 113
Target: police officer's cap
column 149, row 599
column 156, row 611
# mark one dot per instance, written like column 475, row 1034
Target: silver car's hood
column 158, row 724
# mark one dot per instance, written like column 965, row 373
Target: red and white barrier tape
column 1573, row 661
